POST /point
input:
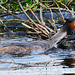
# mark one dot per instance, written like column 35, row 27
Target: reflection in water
column 70, row 62
column 68, row 74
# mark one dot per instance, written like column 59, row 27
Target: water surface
column 54, row 62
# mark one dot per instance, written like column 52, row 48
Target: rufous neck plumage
column 67, row 28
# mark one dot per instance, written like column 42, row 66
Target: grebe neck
column 57, row 37
column 67, row 28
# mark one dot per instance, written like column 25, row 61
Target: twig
column 10, row 12
column 27, row 14
column 44, row 28
column 69, row 2
column 31, row 6
column 26, row 25
column 59, row 9
column 24, row 20
column 3, row 2
column 33, row 14
column 41, row 16
column 31, row 19
column 44, row 7
column 4, row 25
column 37, row 19
column 67, row 8
column 30, row 28
column 53, row 20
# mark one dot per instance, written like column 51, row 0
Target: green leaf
column 73, row 2
column 59, row 1
column 30, row 5
column 34, row 2
column 30, row 1
column 26, row 0
column 22, row 1
column 4, row 0
column 35, row 8
column 24, row 7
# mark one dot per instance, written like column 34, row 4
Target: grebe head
column 69, row 25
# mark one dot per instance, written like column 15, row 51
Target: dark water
column 54, row 62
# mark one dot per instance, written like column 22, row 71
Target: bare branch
column 4, row 24
column 38, row 32
column 69, row 2
column 32, row 20
column 67, row 8
column 41, row 17
column 1, row 2
column 59, row 9
column 10, row 12
column 33, row 14
column 53, row 20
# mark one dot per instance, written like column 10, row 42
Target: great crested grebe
column 41, row 46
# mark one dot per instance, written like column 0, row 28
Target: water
column 54, row 62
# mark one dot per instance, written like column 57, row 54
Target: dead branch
column 38, row 32
column 59, row 9
column 31, row 6
column 10, row 12
column 1, row 2
column 41, row 17
column 39, row 27
column 29, row 27
column 67, row 8
column 53, row 20
column 27, row 14
column 4, row 25
column 69, row 2
column 33, row 13
column 37, row 19
column 45, row 27
column 23, row 20
column 31, row 19
column 44, row 7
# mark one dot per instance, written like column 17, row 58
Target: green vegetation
column 13, row 4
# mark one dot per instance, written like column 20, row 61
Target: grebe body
column 28, row 47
